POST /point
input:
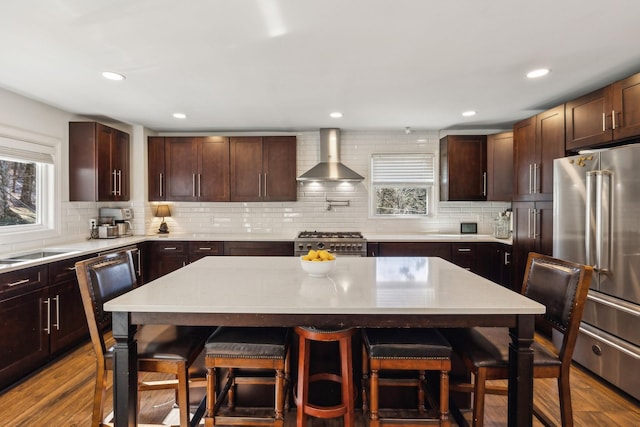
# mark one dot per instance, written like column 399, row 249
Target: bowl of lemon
column 318, row 263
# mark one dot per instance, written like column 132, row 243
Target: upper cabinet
column 604, row 116
column 98, row 163
column 263, row 168
column 463, row 167
column 500, row 166
column 189, row 169
column 537, row 141
column 218, row 169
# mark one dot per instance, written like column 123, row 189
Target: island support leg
column 521, row 372
column 125, row 371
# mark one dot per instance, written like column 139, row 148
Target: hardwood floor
column 61, row 395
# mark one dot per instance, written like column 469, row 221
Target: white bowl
column 317, row 268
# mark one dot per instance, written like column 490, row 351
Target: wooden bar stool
column 418, row 350
column 345, row 378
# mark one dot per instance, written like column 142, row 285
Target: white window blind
column 402, row 168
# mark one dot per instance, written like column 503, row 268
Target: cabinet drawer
column 61, row 271
column 205, row 248
column 18, row 281
column 464, row 255
column 171, row 248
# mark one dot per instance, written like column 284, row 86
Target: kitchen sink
column 32, row 256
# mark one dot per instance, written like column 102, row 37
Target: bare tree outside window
column 17, row 193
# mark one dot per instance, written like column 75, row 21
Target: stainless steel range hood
column 330, row 168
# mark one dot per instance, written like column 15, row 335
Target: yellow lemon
column 324, row 255
column 312, row 254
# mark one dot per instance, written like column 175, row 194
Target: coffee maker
column 122, row 218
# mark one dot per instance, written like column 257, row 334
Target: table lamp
column 162, row 212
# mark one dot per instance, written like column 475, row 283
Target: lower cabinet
column 41, row 315
column 164, row 257
column 487, row 259
column 258, row 248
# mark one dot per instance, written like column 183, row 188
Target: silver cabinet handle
column 484, row 183
column 57, row 324
column 506, row 258
column 114, row 184
column 530, row 178
column 48, row 328
column 119, row 183
column 170, row 248
column 535, row 178
column 19, row 282
column 604, row 122
column 193, row 185
column 259, row 185
column 266, row 194
column 529, row 223
column 204, row 249
column 199, row 186
column 161, row 189
column 70, row 269
column 464, row 249
column 536, row 218
column 613, row 119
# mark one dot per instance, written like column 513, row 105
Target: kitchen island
column 359, row 292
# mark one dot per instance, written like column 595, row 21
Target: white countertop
column 356, row 285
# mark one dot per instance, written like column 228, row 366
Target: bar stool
column 394, row 349
column 345, row 378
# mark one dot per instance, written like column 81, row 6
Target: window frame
column 45, row 151
column 428, row 181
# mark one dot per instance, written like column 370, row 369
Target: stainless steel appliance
column 121, row 219
column 349, row 243
column 596, row 211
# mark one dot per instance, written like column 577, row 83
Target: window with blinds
column 26, row 172
column 402, row 184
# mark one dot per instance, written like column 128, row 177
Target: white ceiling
column 286, row 64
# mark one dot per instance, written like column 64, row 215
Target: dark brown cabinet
column 195, row 169
column 258, row 248
column 429, row 249
column 98, row 163
column 165, row 257
column 532, row 231
column 500, row 166
column 263, row 168
column 463, row 167
column 41, row 315
column 604, row 116
column 156, row 173
column 479, row 258
column 537, row 142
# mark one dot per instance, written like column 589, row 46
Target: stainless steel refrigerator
column 596, row 207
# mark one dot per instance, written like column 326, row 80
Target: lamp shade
column 163, row 211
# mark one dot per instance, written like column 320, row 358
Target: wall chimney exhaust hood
column 330, row 168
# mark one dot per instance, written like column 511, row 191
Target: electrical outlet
column 93, row 223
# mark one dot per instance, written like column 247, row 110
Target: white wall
column 308, row 213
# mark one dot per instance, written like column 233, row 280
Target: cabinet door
column 68, row 319
column 213, row 169
column 463, row 167
column 549, row 145
column 166, row 257
column 626, row 108
column 533, row 232
column 120, row 163
column 246, row 169
column 155, row 164
column 429, row 249
column 524, row 155
column 279, row 168
column 500, row 167
column 587, row 123
column 23, row 340
column 181, row 165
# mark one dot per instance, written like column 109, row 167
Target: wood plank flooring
column 61, row 395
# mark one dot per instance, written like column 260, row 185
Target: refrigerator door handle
column 589, row 214
column 603, row 219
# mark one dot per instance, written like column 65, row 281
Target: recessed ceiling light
column 469, row 114
column 180, row 115
column 336, row 114
column 110, row 75
column 540, row 72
